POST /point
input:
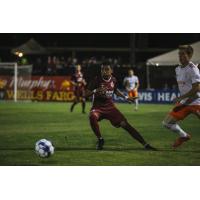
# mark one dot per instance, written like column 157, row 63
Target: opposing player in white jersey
column 188, row 79
column 131, row 83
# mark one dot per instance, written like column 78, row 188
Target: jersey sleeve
column 92, row 84
column 194, row 75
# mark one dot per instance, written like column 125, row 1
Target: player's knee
column 166, row 125
column 123, row 124
column 94, row 116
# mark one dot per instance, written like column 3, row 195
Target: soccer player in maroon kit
column 102, row 89
column 79, row 89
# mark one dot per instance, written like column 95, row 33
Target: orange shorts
column 180, row 111
column 133, row 93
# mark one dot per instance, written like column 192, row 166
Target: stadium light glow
column 20, row 54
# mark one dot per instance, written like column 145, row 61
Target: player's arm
column 191, row 99
column 120, row 94
column 126, row 84
column 93, row 89
column 84, row 82
column 137, row 85
column 89, row 93
column 73, row 83
column 195, row 79
column 99, row 91
column 191, row 94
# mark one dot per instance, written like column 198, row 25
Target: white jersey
column 132, row 81
column 186, row 76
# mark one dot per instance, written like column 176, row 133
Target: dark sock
column 83, row 107
column 134, row 133
column 72, row 106
column 95, row 126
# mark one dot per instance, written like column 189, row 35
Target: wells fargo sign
column 38, row 88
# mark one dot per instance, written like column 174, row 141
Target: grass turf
column 22, row 124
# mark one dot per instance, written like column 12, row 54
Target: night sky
column 155, row 40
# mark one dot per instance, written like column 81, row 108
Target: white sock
column 176, row 128
column 136, row 104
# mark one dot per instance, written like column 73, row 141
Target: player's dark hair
column 187, row 48
column 106, row 64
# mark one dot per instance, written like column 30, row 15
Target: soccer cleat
column 149, row 147
column 100, row 144
column 179, row 141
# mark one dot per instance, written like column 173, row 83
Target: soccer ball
column 44, row 148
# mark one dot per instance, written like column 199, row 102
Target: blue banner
column 153, row 96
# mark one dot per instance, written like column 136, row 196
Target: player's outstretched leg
column 136, row 135
column 95, row 127
column 73, row 105
column 171, row 124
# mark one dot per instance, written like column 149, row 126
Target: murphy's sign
column 38, row 88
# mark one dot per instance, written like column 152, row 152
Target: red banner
column 38, row 88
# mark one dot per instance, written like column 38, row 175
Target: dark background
column 145, row 42
column 144, row 46
column 163, row 40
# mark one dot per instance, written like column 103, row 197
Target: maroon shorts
column 79, row 93
column 110, row 113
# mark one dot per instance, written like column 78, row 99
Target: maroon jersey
column 105, row 99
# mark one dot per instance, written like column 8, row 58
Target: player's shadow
column 17, row 149
column 76, row 149
column 108, row 149
column 104, row 150
column 125, row 149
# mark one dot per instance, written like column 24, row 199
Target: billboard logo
column 2, row 83
column 65, row 85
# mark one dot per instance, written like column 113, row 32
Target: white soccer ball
column 44, row 148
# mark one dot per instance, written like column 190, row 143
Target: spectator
column 38, row 67
column 59, row 67
column 174, row 87
column 166, row 87
column 51, row 67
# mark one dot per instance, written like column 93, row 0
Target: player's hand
column 73, row 83
column 177, row 100
column 84, row 82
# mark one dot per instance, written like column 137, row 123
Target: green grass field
column 22, row 124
